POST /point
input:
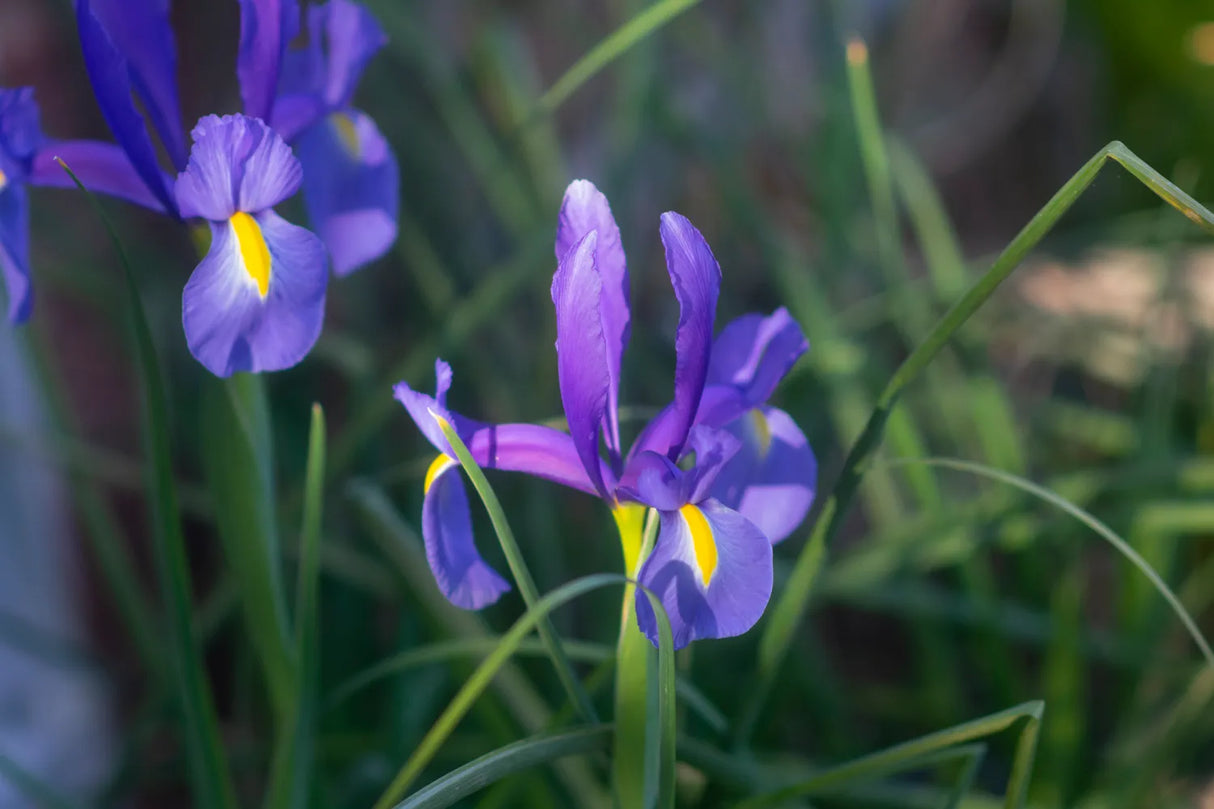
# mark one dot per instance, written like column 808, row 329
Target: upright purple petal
column 351, row 36
column 461, row 574
column 266, row 28
column 420, row 406
column 102, row 167
column 772, row 479
column 140, row 31
column 585, row 209
column 351, row 187
column 230, row 323
column 111, row 77
column 753, row 353
column 14, row 250
column 582, row 366
column 237, row 164
column 696, row 277
column 711, row 568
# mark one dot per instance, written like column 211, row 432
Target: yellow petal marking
column 3, row 180
column 347, row 134
column 702, row 543
column 253, row 250
column 761, row 430
column 437, row 467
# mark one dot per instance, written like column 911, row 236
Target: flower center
column 347, row 134
column 253, row 250
column 702, row 543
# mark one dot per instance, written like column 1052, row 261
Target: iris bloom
column 350, row 178
column 256, row 300
column 27, row 158
column 727, row 474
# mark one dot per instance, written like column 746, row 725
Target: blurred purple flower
column 350, row 177
column 751, row 469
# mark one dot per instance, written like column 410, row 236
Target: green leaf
column 1106, row 533
column 293, row 762
column 237, row 452
column 789, row 607
column 522, row 576
column 210, row 780
column 923, row 751
column 481, row 772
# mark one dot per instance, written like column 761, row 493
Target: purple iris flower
column 27, row 158
column 256, row 300
column 720, row 466
column 351, row 181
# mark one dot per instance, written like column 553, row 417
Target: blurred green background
column 947, row 597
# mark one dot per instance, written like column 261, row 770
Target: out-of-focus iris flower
column 27, row 158
column 350, row 176
column 728, row 474
column 257, row 300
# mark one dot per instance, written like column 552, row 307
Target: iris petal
column 237, row 164
column 351, row 187
column 103, row 168
column 706, row 596
column 14, row 251
column 772, row 478
column 230, row 326
column 266, row 26
column 352, row 37
column 755, row 352
column 585, row 209
column 111, row 79
column 696, row 277
column 461, row 574
column 140, row 31
column 582, row 366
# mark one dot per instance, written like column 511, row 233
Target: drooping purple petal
column 585, row 209
column 237, row 164
column 582, row 352
column 230, row 325
column 140, row 31
column 351, row 36
column 351, row 187
column 753, row 353
column 711, row 568
column 14, row 250
column 111, row 78
column 266, row 27
column 102, row 167
column 696, row 277
column 772, row 478
column 461, row 574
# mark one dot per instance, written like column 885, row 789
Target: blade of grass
column 480, row 679
column 1106, row 533
column 210, row 780
column 481, row 772
column 238, row 461
column 925, row 749
column 522, row 576
column 289, row 781
column 789, row 607
column 607, row 51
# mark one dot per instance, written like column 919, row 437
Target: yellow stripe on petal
column 253, row 250
column 760, row 429
column 439, row 465
column 347, row 134
column 630, row 519
column 702, row 542
column 3, row 179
